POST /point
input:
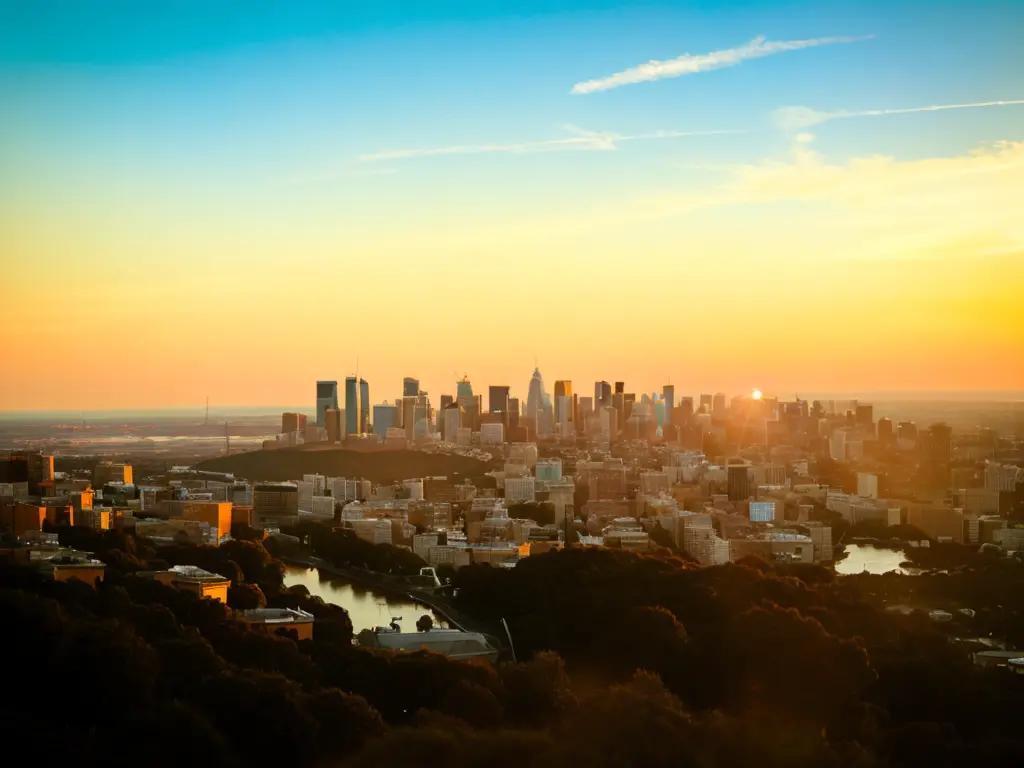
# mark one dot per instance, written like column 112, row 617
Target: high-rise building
column 535, row 395
column 938, row 456
column 563, row 401
column 384, row 417
column 353, row 408
column 718, row 403
column 686, row 406
column 446, row 400
column 464, row 392
column 668, row 394
column 364, row 406
column 451, row 422
column 410, row 387
column 885, row 430
column 738, row 480
column 602, row 394
column 864, row 415
column 497, row 399
column 326, row 397
column 706, row 402
column 334, row 426
column 906, row 430
column 293, row 422
column 620, row 387
column 513, row 412
column 409, row 416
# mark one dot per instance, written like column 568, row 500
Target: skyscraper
column 364, row 406
column 535, row 395
column 410, row 387
column 668, row 394
column 497, row 400
column 384, row 416
column 738, row 482
column 326, row 397
column 620, row 387
column 464, row 391
column 718, row 404
column 353, row 408
column 602, row 394
column 563, row 394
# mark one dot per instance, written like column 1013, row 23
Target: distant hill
column 378, row 467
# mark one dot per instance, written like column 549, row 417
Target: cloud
column 580, row 140
column 795, row 118
column 689, row 64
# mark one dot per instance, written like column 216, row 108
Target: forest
column 622, row 659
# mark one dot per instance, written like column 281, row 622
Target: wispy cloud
column 689, row 64
column 580, row 140
column 795, row 118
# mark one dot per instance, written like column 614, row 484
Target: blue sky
column 210, row 142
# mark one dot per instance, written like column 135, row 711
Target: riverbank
column 386, row 584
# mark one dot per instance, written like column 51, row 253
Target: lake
column 365, row 607
column 864, row 557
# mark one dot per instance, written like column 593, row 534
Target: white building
column 523, row 453
column 520, row 489
column 492, row 434
column 762, row 511
column 837, row 445
column 322, row 506
column 415, row 489
column 373, row 530
column 867, row 485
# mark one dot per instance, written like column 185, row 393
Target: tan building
column 70, row 565
column 189, row 578
column 216, row 514
column 274, row 619
column 109, row 472
column 275, row 503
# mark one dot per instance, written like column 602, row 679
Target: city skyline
column 799, row 197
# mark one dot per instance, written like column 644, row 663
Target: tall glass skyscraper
column 535, row 399
column 353, row 408
column 326, row 397
column 364, row 406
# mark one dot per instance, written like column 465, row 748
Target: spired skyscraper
column 535, row 398
column 326, row 397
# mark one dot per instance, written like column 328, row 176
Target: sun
column 757, row 394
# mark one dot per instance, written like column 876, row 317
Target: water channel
column 365, row 607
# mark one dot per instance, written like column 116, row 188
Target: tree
column 246, row 597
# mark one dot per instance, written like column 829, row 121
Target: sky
column 232, row 200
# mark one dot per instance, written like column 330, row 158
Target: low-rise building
column 276, row 619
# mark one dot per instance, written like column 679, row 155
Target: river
column 864, row 557
column 365, row 607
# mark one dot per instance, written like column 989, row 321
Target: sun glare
column 756, row 394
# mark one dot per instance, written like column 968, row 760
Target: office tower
column 410, row 387
column 421, row 421
column 619, row 404
column 333, row 425
column 718, row 403
column 906, row 430
column 837, row 445
column 668, row 394
column 585, row 410
column 497, row 399
column 563, row 392
column 293, row 422
column 938, row 456
column 409, row 416
column 864, row 416
column 620, row 387
column 609, row 423
column 326, row 397
column 628, row 400
column 464, row 392
column 352, row 406
column 602, row 394
column 364, row 406
column 384, row 417
column 706, row 402
column 513, row 412
column 686, row 406
column 535, row 395
column 451, row 422
column 738, row 479
column 446, row 400
column 885, row 430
